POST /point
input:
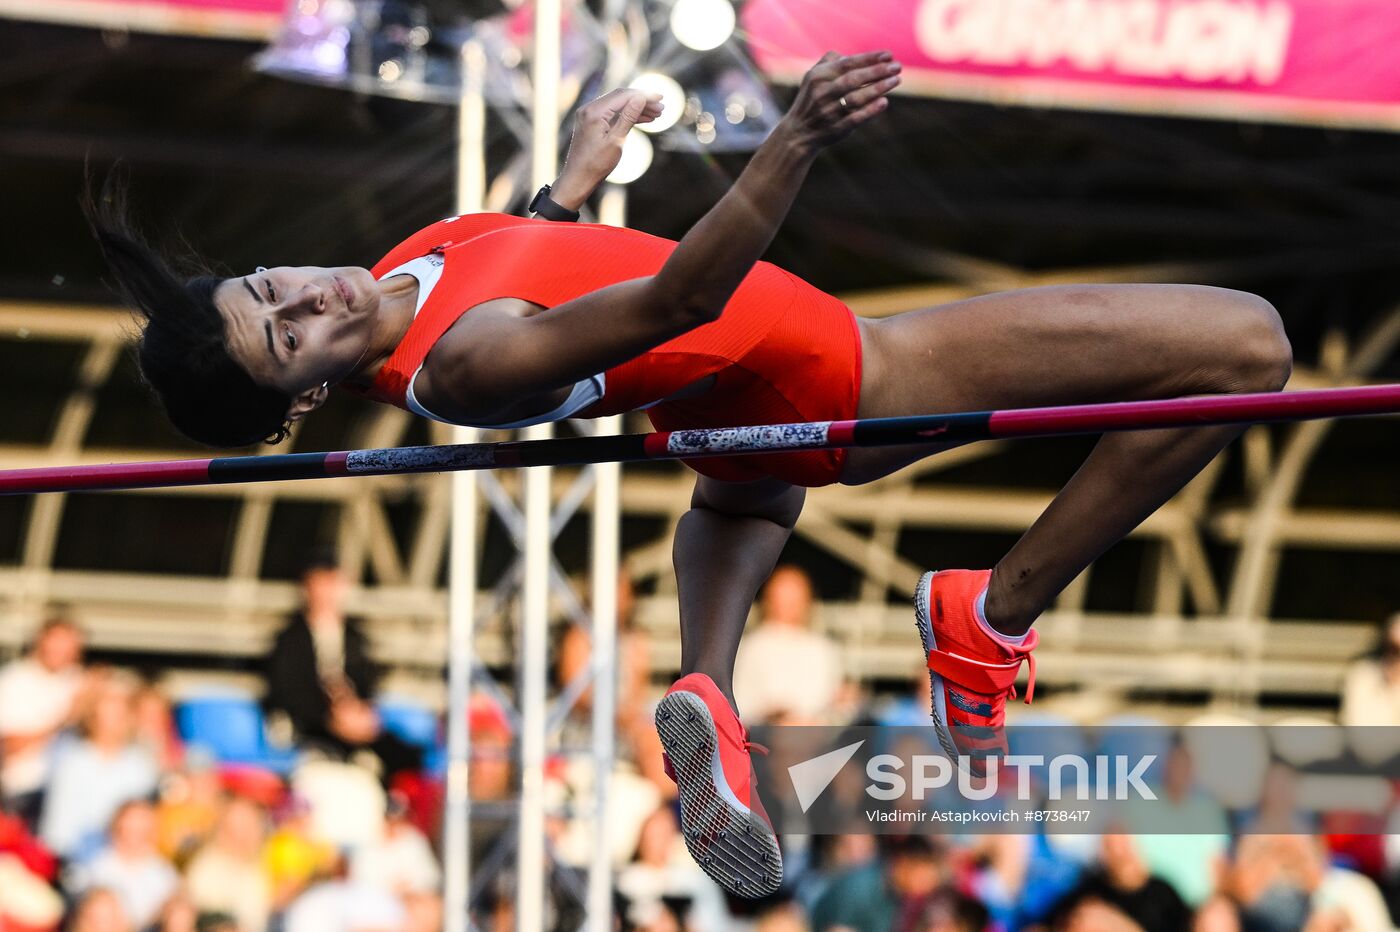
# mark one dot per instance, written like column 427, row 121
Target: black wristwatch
column 545, row 206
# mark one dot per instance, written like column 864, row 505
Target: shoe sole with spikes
column 732, row 844
column 923, row 620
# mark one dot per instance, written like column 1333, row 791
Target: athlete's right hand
column 596, row 146
column 839, row 93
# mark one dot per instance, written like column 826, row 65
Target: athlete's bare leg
column 725, row 547
column 1073, row 345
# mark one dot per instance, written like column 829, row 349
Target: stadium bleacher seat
column 409, row 720
column 229, row 724
column 1045, row 734
column 417, row 724
column 1136, row 737
column 1306, row 739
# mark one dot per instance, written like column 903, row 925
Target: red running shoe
column 972, row 673
column 707, row 754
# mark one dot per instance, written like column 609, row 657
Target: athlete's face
column 297, row 328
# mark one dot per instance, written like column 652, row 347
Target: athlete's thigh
column 1077, row 344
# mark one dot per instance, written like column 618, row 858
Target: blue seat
column 410, row 721
column 230, row 725
column 1045, row 734
column 1136, row 737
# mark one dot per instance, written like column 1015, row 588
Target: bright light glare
column 636, row 159
column 702, row 24
column 672, row 100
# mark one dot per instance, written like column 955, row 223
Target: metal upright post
column 534, row 620
column 471, row 189
column 612, row 210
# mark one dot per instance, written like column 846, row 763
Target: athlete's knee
column 1257, row 356
column 1265, row 355
column 768, row 499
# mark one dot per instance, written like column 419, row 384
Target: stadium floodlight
column 702, row 24
column 636, row 159
column 672, row 99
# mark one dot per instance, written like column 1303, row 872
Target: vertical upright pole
column 534, row 621
column 612, row 210
column 461, row 585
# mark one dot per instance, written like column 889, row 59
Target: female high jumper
column 497, row 321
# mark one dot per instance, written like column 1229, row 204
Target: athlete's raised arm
column 501, row 357
column 837, row 95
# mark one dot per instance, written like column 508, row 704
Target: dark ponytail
column 183, row 358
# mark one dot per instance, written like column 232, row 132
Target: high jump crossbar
column 724, row 441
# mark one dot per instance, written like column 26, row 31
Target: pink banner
column 240, row 19
column 1334, row 62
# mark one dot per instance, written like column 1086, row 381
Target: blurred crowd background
column 317, row 805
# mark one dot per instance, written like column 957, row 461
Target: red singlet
column 781, row 352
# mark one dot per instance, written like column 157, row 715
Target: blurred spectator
column 402, row 861
column 295, row 858
column 637, row 740
column 1270, row 876
column 632, row 799
column 782, row 917
column 912, row 879
column 17, row 840
column 345, row 906
column 1019, row 877
column 99, row 911
column 38, row 698
column 1217, row 914
column 999, row 879
column 1121, row 890
column 423, row 913
column 216, row 922
column 492, row 776
column 321, row 678
column 783, row 666
column 346, row 801
column 950, row 914
column 1191, row 863
column 633, row 670
column 662, row 878
column 190, row 802
column 92, row 777
column 155, row 727
column 131, row 865
column 1284, row 882
column 825, row 857
column 1371, row 690
column 493, row 788
column 912, row 708
column 1345, row 898
column 179, row 914
column 228, row 875
column 27, row 902
column 1278, row 809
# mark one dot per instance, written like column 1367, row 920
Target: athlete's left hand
column 839, row 93
column 596, row 146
